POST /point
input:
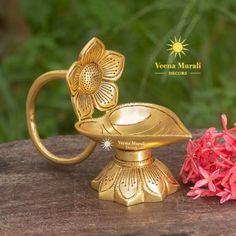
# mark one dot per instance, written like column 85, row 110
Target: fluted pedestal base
column 143, row 179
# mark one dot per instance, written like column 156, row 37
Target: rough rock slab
column 40, row 198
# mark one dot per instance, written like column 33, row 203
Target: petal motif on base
column 72, row 77
column 109, row 179
column 92, row 51
column 112, row 65
column 128, row 183
column 106, row 97
column 170, row 181
column 83, row 105
column 153, row 180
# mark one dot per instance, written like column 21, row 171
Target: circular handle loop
column 32, row 127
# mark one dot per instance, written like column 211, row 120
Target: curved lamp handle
column 32, row 127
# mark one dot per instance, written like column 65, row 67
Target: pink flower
column 195, row 192
column 230, row 177
column 199, row 192
column 189, row 164
column 208, row 179
column 224, row 195
column 210, row 164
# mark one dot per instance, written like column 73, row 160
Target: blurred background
column 38, row 36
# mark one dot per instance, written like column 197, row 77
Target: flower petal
column 83, row 105
column 106, row 97
column 224, row 121
column 112, row 65
column 215, row 174
column 233, row 190
column 232, row 179
column 211, row 186
column 194, row 166
column 200, row 183
column 191, row 193
column 221, row 194
column 92, row 51
column 225, row 198
column 204, row 173
column 72, row 77
column 195, row 193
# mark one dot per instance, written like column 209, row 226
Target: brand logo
column 177, row 47
column 106, row 144
column 178, row 67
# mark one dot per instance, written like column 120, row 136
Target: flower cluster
column 211, row 164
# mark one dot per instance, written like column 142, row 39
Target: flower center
column 90, row 79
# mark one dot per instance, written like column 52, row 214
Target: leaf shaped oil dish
column 147, row 125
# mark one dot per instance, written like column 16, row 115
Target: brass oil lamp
column 132, row 129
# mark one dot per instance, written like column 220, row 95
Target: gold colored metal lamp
column 133, row 129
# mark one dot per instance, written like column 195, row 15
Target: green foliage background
column 38, row 36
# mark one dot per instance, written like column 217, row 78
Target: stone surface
column 40, row 198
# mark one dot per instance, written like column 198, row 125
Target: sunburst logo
column 177, row 47
column 106, row 144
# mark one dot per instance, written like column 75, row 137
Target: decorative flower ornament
column 91, row 79
column 211, row 164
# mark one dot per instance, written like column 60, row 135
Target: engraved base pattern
column 131, row 183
